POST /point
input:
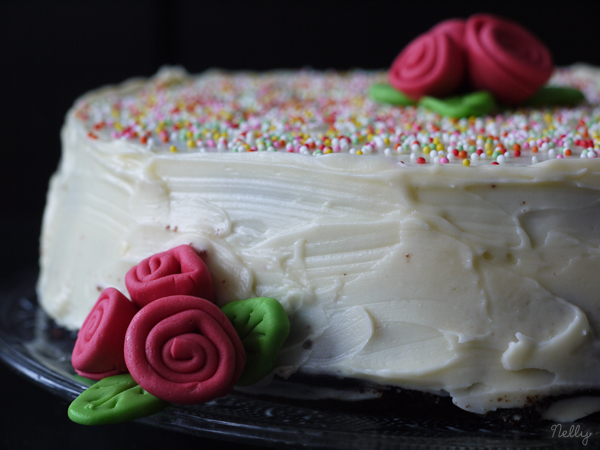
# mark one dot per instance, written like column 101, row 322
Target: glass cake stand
column 31, row 344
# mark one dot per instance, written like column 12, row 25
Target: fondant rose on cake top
column 505, row 59
column 432, row 64
column 492, row 57
column 171, row 343
column 488, row 52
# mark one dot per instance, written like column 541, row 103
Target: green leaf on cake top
column 479, row 103
column 473, row 104
column 385, row 93
column 555, row 96
column 112, row 400
column 263, row 327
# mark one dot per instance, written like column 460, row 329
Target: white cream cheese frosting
column 475, row 282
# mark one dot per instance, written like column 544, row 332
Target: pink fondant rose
column 432, row 64
column 183, row 349
column 505, row 59
column 453, row 28
column 179, row 271
column 98, row 351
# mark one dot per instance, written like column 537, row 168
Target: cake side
column 473, row 281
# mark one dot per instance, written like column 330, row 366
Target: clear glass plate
column 34, row 346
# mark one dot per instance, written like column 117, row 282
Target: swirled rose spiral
column 433, row 64
column 179, row 271
column 183, row 349
column 505, row 58
column 453, row 28
column 98, row 351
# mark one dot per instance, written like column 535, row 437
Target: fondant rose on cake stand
column 184, row 349
column 98, row 351
column 177, row 271
column 463, row 68
column 171, row 343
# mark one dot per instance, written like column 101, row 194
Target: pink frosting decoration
column 184, row 350
column 453, row 28
column 179, row 271
column 98, row 351
column 505, row 59
column 432, row 64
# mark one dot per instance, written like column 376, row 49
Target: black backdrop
column 52, row 52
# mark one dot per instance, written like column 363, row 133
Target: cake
column 457, row 257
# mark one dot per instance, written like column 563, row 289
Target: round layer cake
column 455, row 257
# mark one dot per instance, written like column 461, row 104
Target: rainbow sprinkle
column 322, row 113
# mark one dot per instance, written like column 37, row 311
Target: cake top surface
column 318, row 113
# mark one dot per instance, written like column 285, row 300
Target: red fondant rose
column 505, row 59
column 432, row 64
column 183, row 349
column 98, row 351
column 179, row 271
column 453, row 28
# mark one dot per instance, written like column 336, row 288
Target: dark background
column 52, row 52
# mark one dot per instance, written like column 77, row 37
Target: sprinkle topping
column 323, row 113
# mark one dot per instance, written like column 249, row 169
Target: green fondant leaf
column 384, row 93
column 555, row 96
column 112, row 400
column 83, row 380
column 263, row 327
column 477, row 103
